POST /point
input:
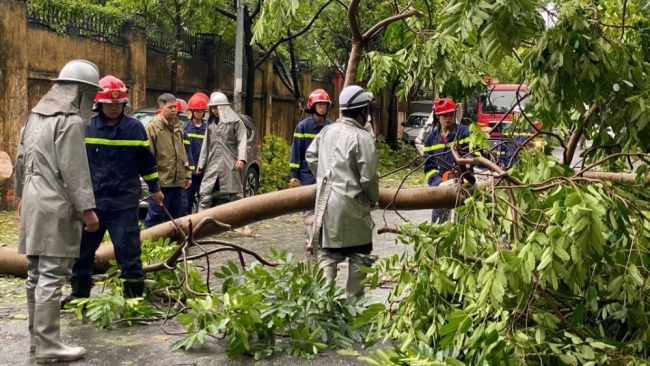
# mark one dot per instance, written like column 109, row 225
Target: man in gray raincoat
column 344, row 159
column 56, row 192
column 223, row 154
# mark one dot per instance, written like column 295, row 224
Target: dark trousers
column 173, row 202
column 122, row 226
column 190, row 195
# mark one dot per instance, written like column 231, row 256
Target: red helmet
column 181, row 106
column 114, row 91
column 198, row 102
column 317, row 96
column 444, row 106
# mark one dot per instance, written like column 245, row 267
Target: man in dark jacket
column 306, row 131
column 118, row 155
column 195, row 130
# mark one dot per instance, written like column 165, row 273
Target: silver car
column 252, row 169
column 413, row 125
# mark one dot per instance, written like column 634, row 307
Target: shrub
column 276, row 173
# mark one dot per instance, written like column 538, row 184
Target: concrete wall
column 31, row 57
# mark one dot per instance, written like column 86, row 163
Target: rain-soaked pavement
column 149, row 345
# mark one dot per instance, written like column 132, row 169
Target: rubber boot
column 47, row 330
column 80, row 289
column 31, row 304
column 133, row 288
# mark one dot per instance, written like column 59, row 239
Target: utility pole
column 239, row 56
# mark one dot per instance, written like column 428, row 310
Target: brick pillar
column 137, row 43
column 13, row 73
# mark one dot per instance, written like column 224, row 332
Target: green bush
column 397, row 157
column 276, row 173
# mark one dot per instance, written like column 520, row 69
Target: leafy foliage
column 395, row 157
column 259, row 306
column 275, row 164
column 570, row 284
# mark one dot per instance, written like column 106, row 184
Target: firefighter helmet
column 198, row 102
column 355, row 97
column 113, row 91
column 444, row 106
column 317, row 96
column 181, row 106
column 80, row 71
column 217, row 99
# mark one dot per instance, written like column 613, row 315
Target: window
column 501, row 101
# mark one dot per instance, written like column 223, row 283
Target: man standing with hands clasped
column 56, row 192
column 170, row 146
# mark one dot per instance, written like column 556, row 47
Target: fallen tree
column 248, row 211
column 267, row 206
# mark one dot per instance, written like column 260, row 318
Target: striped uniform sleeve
column 298, row 150
column 188, row 151
column 431, row 169
column 146, row 163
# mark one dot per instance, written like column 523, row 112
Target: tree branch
column 386, row 22
column 623, row 21
column 225, row 13
column 575, row 136
column 284, row 39
column 257, row 10
column 353, row 20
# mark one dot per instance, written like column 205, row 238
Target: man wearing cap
column 344, row 159
column 306, row 131
column 118, row 154
column 54, row 185
column 170, row 146
column 223, row 154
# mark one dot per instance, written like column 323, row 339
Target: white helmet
column 218, row 98
column 516, row 109
column 354, row 97
column 80, row 71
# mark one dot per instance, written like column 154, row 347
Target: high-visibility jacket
column 305, row 133
column 196, row 136
column 118, row 156
column 437, row 152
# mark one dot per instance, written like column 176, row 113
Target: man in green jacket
column 169, row 144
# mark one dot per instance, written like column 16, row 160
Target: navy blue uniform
column 515, row 136
column 118, row 156
column 439, row 159
column 196, row 136
column 304, row 134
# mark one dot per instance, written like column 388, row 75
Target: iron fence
column 191, row 46
column 100, row 28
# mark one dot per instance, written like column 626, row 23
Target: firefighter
column 195, row 130
column 56, row 199
column 344, row 159
column 170, row 146
column 440, row 165
column 517, row 132
column 118, row 155
column 317, row 105
column 223, row 154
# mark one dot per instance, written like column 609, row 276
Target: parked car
column 252, row 170
column 413, row 125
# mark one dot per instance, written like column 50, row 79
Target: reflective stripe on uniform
column 192, row 167
column 151, row 176
column 186, row 142
column 304, row 135
column 434, row 147
column 195, row 136
column 294, row 165
column 107, row 142
column 431, row 172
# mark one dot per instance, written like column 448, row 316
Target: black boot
column 133, row 288
column 80, row 289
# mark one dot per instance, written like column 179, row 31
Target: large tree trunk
column 247, row 211
column 353, row 64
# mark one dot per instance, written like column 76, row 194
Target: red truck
column 489, row 107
